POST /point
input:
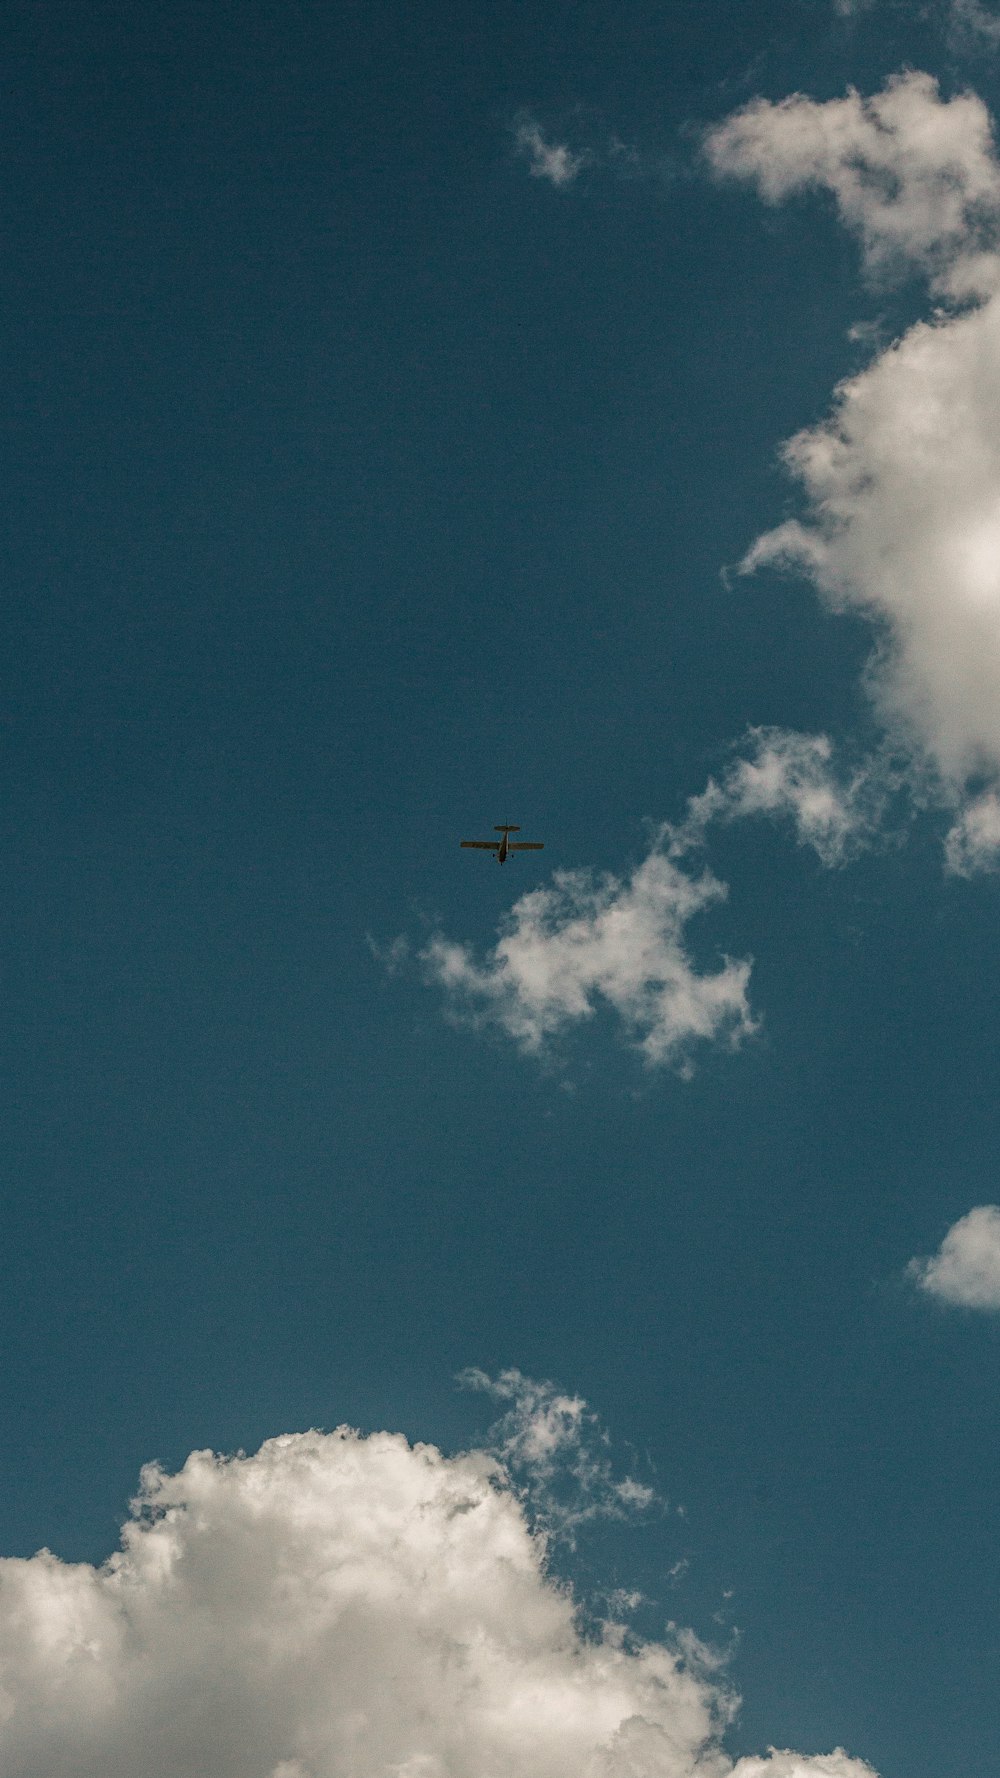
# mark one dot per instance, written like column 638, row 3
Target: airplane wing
column 482, row 845
column 526, row 846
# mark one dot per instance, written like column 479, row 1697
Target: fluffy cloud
column 902, row 480
column 546, row 160
column 966, row 1268
column 565, row 949
column 901, row 523
column 913, row 175
column 973, row 843
column 903, row 486
column 342, row 1607
column 791, row 775
column 793, row 1765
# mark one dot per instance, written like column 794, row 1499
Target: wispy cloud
column 970, row 25
column 902, row 480
column 604, row 153
column 586, row 941
column 785, row 774
column 338, row 1605
column 554, row 1447
column 966, row 1268
column 974, row 24
column 553, row 161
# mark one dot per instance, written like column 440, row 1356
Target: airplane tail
column 501, row 827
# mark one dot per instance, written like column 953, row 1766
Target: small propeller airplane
column 502, row 847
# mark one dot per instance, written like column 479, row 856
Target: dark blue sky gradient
column 359, row 491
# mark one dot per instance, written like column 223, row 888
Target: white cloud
column 793, row 1765
column 555, row 1445
column 793, row 775
column 966, row 1268
column 606, row 154
column 973, row 843
column 903, row 489
column 914, row 176
column 901, row 524
column 565, row 949
column 546, row 160
column 972, row 21
column 902, row 480
column 342, row 1607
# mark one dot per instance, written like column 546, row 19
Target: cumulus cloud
column 902, row 479
column 913, row 175
column 553, row 161
column 567, row 949
column 787, row 774
column 343, row 1607
column 793, row 1765
column 901, row 523
column 903, row 488
column 966, row 1268
column 582, row 942
column 555, row 1446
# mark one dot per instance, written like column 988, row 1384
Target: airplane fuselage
column 503, row 845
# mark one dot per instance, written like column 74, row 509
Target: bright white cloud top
column 966, row 1268
column 902, row 480
column 342, row 1607
column 913, row 175
column 566, row 948
column 902, row 523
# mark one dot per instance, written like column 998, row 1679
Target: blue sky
column 396, row 406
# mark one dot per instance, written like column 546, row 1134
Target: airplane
column 502, row 847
